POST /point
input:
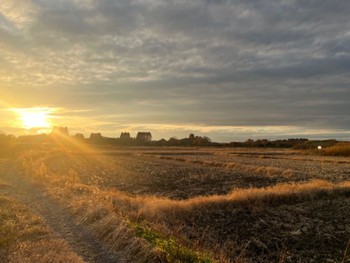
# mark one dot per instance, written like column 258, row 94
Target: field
column 167, row 204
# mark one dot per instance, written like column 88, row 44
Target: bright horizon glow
column 30, row 118
column 38, row 120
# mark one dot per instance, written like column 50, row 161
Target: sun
column 34, row 119
column 30, row 118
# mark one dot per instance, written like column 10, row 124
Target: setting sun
column 33, row 117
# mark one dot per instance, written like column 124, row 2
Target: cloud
column 215, row 63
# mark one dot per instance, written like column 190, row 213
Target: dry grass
column 340, row 149
column 164, row 208
column 113, row 229
column 92, row 207
column 3, row 184
column 43, row 251
column 252, row 169
column 139, row 226
column 25, row 238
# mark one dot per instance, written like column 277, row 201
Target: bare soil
column 183, row 174
column 311, row 231
column 300, row 231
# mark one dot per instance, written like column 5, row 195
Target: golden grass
column 153, row 207
column 340, row 149
column 113, row 230
column 92, row 206
column 43, row 251
column 3, row 184
column 24, row 237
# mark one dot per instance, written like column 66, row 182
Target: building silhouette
column 125, row 136
column 60, row 131
column 144, row 137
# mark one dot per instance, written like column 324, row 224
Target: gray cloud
column 238, row 62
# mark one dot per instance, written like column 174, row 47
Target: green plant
column 175, row 252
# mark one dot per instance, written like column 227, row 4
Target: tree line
column 61, row 135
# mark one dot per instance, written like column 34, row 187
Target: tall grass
column 155, row 208
column 340, row 149
column 24, row 237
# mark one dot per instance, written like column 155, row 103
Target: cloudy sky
column 230, row 70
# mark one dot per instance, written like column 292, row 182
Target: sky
column 229, row 70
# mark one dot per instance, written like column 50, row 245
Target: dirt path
column 57, row 217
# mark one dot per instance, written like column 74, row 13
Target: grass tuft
column 175, row 252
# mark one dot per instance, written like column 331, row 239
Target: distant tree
column 201, row 141
column 79, row 136
column 262, row 143
column 249, row 143
column 96, row 136
column 174, row 141
column 162, row 142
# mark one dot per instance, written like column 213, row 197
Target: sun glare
column 30, row 118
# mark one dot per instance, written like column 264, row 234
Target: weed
column 175, row 252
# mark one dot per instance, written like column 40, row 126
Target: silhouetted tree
column 95, row 136
column 201, row 141
column 79, row 136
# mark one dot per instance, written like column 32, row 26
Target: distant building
column 125, row 136
column 144, row 137
column 96, row 136
column 60, row 131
